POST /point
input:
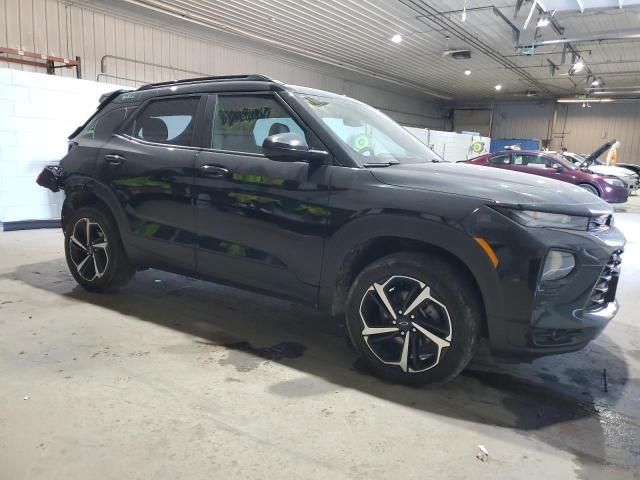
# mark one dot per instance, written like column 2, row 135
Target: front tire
column 414, row 318
column 94, row 252
column 590, row 188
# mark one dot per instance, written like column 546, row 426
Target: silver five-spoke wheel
column 404, row 325
column 88, row 249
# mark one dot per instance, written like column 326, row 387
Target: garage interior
column 173, row 377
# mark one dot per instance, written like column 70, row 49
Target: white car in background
column 592, row 164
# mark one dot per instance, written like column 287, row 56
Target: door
column 261, row 223
column 149, row 167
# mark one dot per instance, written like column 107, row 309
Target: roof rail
column 220, row 78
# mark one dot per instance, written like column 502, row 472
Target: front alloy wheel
column 404, row 325
column 414, row 317
column 88, row 249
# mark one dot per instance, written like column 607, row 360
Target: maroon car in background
column 551, row 165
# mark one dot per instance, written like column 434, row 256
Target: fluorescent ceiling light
column 498, row 87
column 397, row 38
column 578, row 100
column 467, row 72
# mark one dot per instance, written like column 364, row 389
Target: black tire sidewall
column 447, row 286
column 590, row 188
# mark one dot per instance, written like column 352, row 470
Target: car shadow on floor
column 560, row 411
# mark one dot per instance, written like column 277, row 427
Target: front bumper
column 612, row 194
column 543, row 318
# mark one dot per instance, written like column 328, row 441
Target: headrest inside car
column 278, row 128
column 153, row 130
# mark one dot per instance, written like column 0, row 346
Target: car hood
column 600, row 150
column 611, row 170
column 496, row 186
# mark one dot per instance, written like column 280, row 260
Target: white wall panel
column 37, row 113
column 70, row 29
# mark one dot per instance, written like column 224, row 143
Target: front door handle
column 215, row 171
column 114, row 159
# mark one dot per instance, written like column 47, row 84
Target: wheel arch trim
column 345, row 247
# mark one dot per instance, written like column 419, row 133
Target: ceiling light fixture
column 397, row 38
column 543, row 21
column 464, row 12
column 578, row 100
column 498, row 87
column 578, row 66
column 467, row 72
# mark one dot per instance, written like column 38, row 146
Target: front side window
column 373, row 136
column 531, row 161
column 500, row 160
column 242, row 122
column 169, row 121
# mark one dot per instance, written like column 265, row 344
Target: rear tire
column 414, row 318
column 590, row 188
column 94, row 252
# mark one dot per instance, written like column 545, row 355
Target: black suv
column 321, row 199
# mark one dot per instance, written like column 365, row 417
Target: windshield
column 581, row 160
column 374, row 137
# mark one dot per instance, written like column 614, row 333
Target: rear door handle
column 215, row 171
column 114, row 158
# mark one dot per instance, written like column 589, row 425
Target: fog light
column 558, row 265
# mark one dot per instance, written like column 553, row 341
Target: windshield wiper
column 382, row 164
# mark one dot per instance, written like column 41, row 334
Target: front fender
column 345, row 244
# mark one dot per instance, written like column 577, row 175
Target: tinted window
column 242, row 122
column 167, row 121
column 103, row 126
column 500, row 159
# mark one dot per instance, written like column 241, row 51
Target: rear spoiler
column 105, row 99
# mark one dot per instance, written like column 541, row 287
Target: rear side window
column 169, row 121
column 242, row 122
column 103, row 126
column 500, row 160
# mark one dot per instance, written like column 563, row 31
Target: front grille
column 600, row 223
column 604, row 291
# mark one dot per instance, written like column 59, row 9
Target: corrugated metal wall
column 588, row 128
column 522, row 120
column 580, row 129
column 117, row 49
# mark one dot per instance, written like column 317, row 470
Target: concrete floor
column 175, row 378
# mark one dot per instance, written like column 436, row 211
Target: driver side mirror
column 558, row 168
column 291, row 147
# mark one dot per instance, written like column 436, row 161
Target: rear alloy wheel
column 414, row 318
column 88, row 249
column 94, row 251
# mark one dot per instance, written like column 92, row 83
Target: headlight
column 558, row 265
column 614, row 182
column 533, row 218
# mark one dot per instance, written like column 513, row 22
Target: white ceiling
column 357, row 33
